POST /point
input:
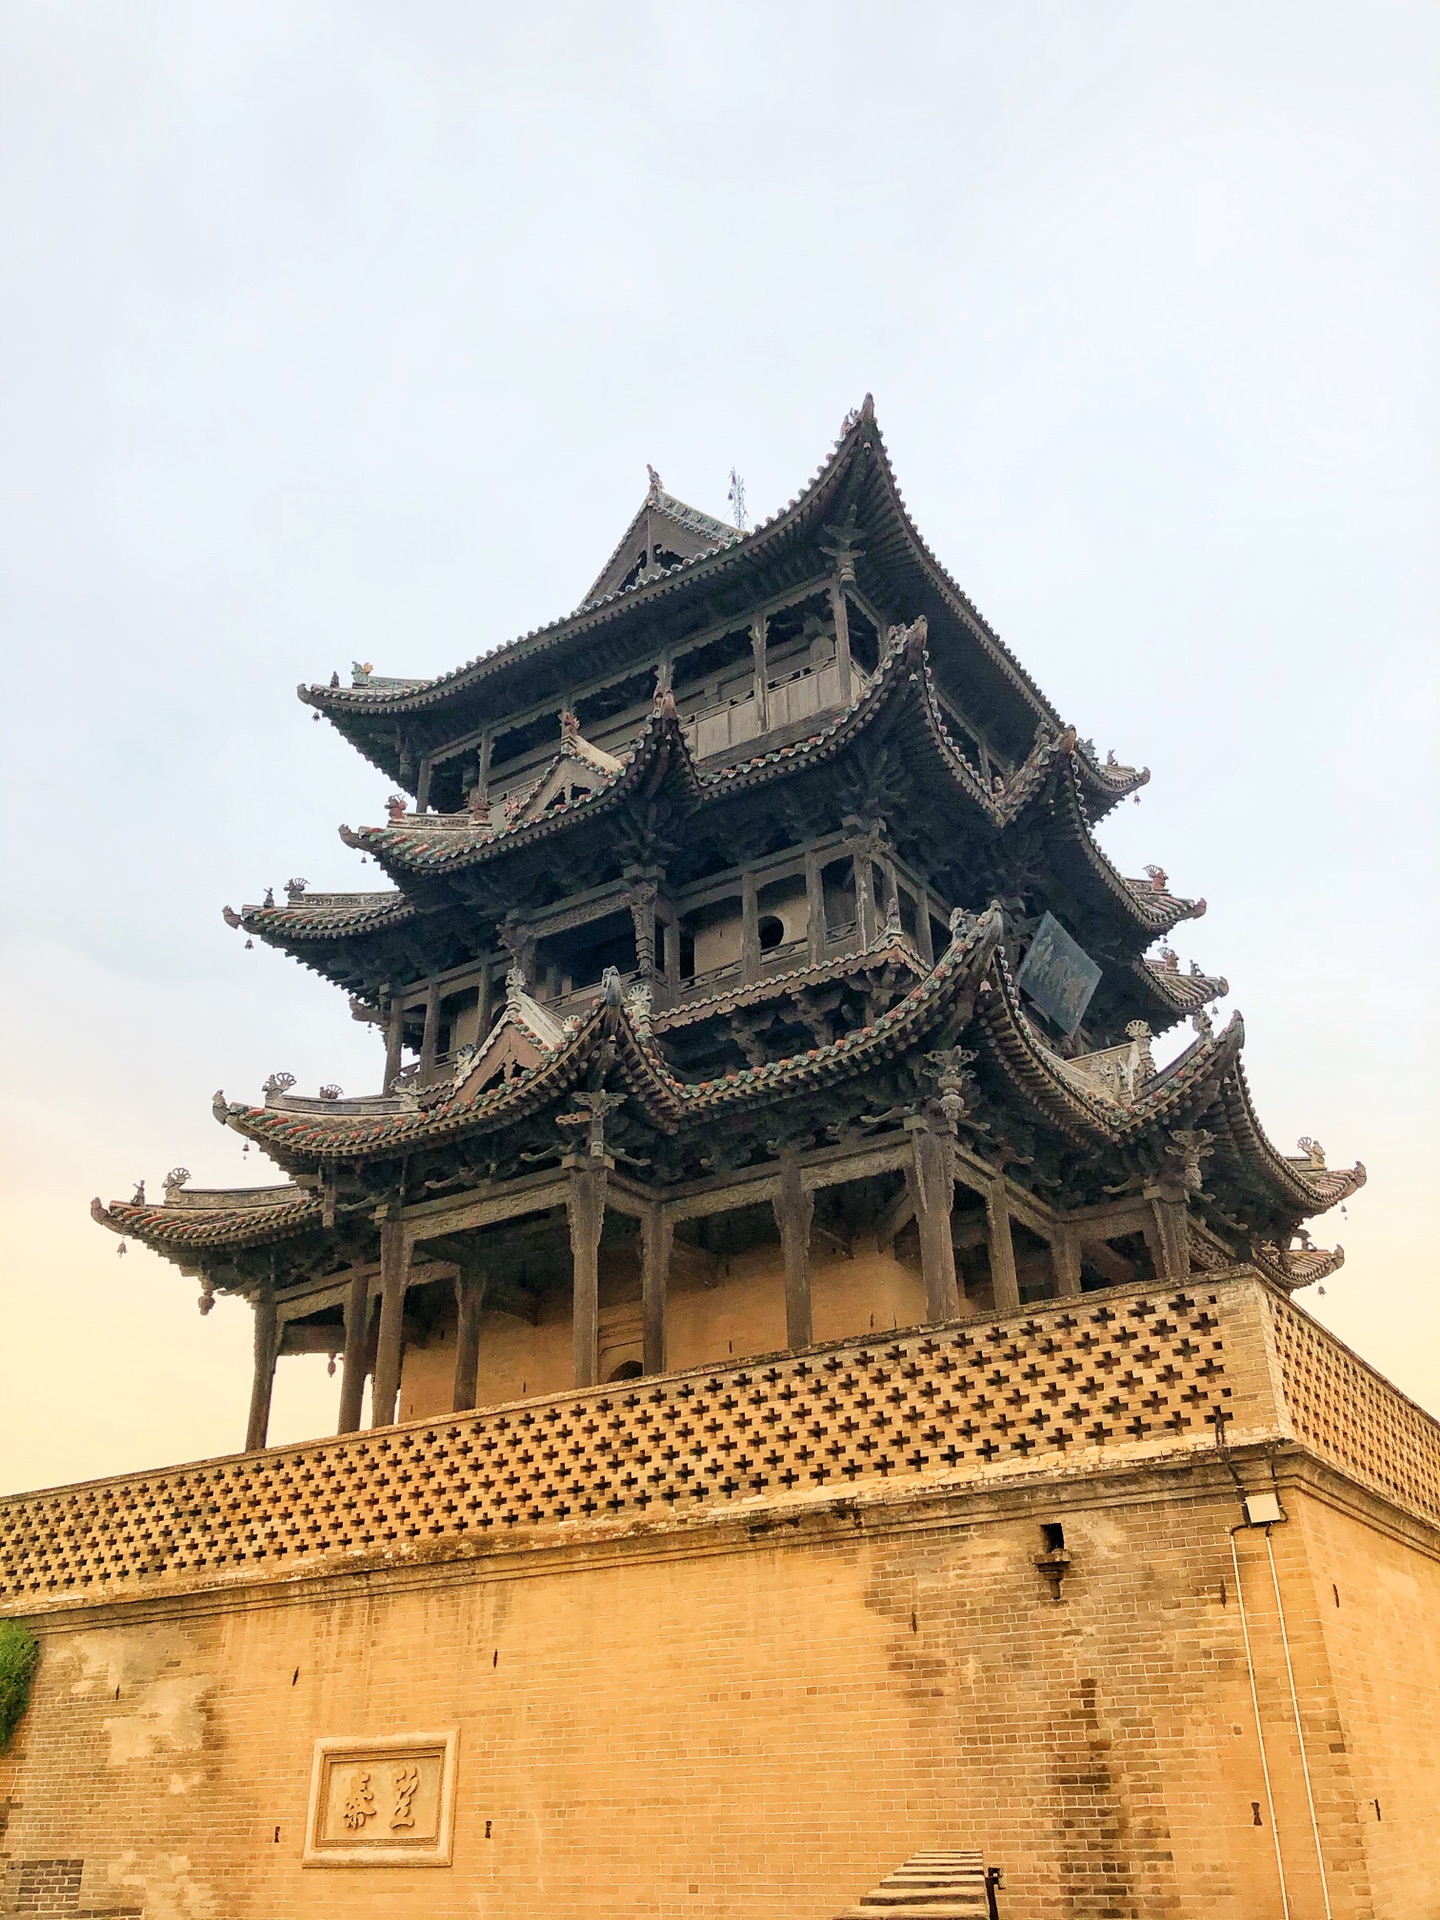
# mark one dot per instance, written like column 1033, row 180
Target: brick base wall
column 768, row 1721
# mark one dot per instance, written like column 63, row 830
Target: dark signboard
column 1058, row 975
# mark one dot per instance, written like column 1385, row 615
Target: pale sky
column 345, row 331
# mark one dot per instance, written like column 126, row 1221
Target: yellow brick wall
column 760, row 1723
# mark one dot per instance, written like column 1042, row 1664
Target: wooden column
column 432, row 1029
column 469, row 1304
column 1169, row 1242
column 794, row 1210
column 267, row 1347
column 749, row 928
column 394, row 1040
column 865, row 928
column 422, row 790
column 585, row 1207
column 482, row 1008
column 657, row 1236
column 814, row 908
column 1002, row 1249
column 480, row 792
column 931, row 1180
column 641, row 902
column 672, row 950
column 357, row 1353
column 1065, row 1259
column 758, row 632
column 842, row 641
column 394, row 1278
column 923, row 937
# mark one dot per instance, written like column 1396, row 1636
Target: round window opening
column 772, row 931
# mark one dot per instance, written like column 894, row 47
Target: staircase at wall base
column 932, row 1886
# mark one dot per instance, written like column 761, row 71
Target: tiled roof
column 430, row 843
column 858, row 443
column 1084, row 1114
column 1297, row 1187
column 238, row 1222
column 434, row 843
column 716, row 533
column 325, row 916
column 297, row 1139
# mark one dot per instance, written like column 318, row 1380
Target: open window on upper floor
column 576, row 959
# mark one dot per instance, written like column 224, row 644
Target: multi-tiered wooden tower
column 751, row 975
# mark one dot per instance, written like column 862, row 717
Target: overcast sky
column 338, row 332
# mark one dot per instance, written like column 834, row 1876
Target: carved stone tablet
column 382, row 1803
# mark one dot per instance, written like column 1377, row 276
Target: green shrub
column 19, row 1656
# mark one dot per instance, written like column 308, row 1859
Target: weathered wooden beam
column 794, row 1206
column 657, row 1238
column 469, row 1305
column 1119, row 1271
column 931, row 1180
column 1003, row 1278
column 531, row 1193
column 267, row 1342
column 814, row 908
column 842, row 640
column 749, row 928
column 394, row 1039
column 585, row 1210
column 753, row 1185
column 1065, row 1260
column 395, row 1248
column 898, row 1215
column 432, row 1028
column 357, row 1341
column 759, row 631
column 1170, row 1243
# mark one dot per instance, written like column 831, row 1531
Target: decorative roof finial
column 655, row 486
column 736, row 497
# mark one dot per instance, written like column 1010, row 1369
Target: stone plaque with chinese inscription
column 382, row 1803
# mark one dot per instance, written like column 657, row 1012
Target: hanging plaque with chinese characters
column 382, row 1803
column 1058, row 975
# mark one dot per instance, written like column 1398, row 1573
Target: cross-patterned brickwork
column 1354, row 1419
column 1077, row 1378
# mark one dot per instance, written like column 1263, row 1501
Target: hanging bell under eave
column 249, row 943
column 122, row 1250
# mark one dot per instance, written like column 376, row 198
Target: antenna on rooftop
column 736, row 497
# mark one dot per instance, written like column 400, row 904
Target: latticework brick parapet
column 1352, row 1417
column 1119, row 1379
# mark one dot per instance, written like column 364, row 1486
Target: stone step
column 935, row 1885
